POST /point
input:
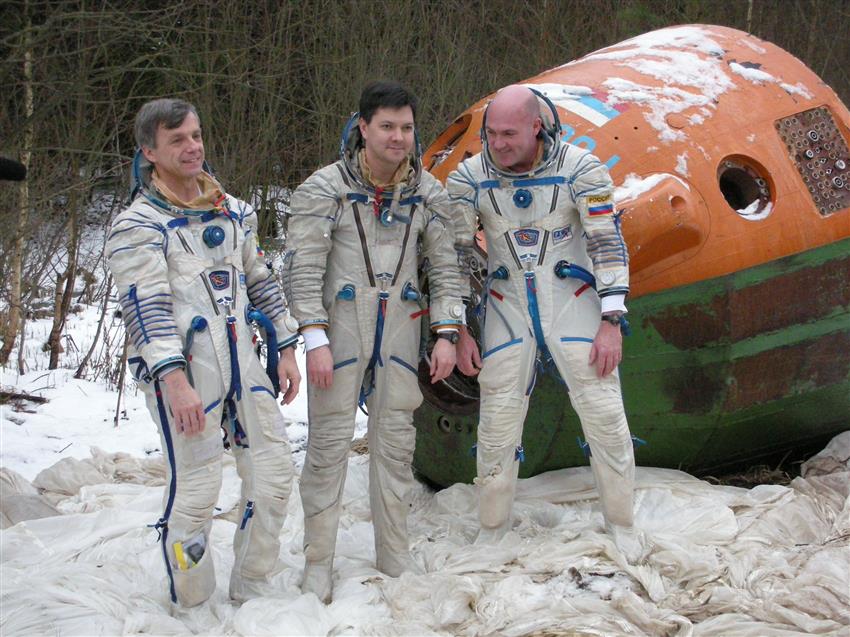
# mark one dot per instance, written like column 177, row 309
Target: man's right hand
column 320, row 367
column 468, row 358
column 186, row 406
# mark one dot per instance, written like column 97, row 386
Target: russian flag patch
column 595, row 211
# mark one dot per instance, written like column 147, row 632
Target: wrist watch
column 451, row 336
column 614, row 318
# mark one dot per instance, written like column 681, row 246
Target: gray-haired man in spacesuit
column 359, row 230
column 192, row 280
column 557, row 281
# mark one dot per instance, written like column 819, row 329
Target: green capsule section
column 716, row 375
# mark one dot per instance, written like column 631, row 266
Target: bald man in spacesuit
column 556, row 288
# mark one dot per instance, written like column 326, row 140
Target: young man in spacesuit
column 191, row 281
column 557, row 281
column 359, row 230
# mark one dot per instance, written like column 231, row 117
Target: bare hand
column 320, row 367
column 442, row 360
column 607, row 349
column 185, row 404
column 468, row 358
column 287, row 372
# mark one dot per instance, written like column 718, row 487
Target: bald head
column 513, row 123
column 515, row 99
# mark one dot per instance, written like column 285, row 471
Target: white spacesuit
column 352, row 258
column 554, row 249
column 187, row 280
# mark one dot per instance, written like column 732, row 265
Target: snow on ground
column 773, row 560
column 81, row 414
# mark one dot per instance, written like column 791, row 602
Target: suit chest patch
column 220, row 279
column 527, row 237
column 562, row 234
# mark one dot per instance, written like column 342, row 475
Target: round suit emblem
column 213, row 236
column 522, row 198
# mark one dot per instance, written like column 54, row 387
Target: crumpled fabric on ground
column 773, row 560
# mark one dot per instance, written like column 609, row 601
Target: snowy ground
column 772, row 560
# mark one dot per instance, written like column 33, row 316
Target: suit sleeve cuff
column 313, row 338
column 164, row 367
column 613, row 303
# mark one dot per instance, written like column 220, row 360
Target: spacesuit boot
column 628, row 540
column 319, row 548
column 497, row 471
column 192, row 570
column 243, row 588
column 318, row 579
column 392, row 438
column 615, row 492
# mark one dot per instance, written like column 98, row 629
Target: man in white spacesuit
column 359, row 229
column 555, row 293
column 191, row 280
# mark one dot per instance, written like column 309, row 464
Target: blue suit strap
column 540, row 181
column 263, row 321
column 361, row 198
column 523, row 183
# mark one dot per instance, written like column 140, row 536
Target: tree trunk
column 10, row 331
column 22, row 363
column 121, row 374
column 69, row 278
column 87, row 357
column 76, row 200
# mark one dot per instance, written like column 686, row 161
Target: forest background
column 274, row 83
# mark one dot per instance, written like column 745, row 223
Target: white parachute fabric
column 20, row 500
column 772, row 560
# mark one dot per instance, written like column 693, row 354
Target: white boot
column 244, row 588
column 493, row 535
column 629, row 541
column 394, row 565
column 318, row 579
column 497, row 472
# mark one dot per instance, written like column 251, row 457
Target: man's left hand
column 443, row 358
column 607, row 349
column 287, row 372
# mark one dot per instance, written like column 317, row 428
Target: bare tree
column 13, row 321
